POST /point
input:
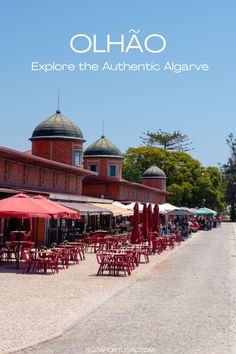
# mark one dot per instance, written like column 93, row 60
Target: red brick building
column 105, row 158
column 57, row 165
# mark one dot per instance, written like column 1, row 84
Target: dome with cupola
column 57, row 126
column 102, row 148
column 154, row 172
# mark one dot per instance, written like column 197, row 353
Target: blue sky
column 199, row 104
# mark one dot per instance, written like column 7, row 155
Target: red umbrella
column 150, row 220
column 59, row 210
column 156, row 219
column 135, row 236
column 22, row 206
column 145, row 222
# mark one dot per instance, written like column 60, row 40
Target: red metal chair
column 134, row 258
column 143, row 251
column 171, row 241
column 52, row 262
column 30, row 261
column 73, row 255
column 105, row 262
column 81, row 251
column 63, row 256
column 9, row 252
column 122, row 263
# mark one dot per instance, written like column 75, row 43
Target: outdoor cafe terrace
column 117, row 254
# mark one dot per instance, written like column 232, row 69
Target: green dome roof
column 57, row 126
column 154, row 172
column 102, row 147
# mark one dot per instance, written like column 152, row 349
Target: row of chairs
column 41, row 263
column 160, row 243
column 10, row 250
column 99, row 243
column 123, row 259
column 115, row 263
column 44, row 260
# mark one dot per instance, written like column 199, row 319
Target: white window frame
column 109, row 171
column 74, row 157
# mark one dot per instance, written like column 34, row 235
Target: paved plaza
column 183, row 301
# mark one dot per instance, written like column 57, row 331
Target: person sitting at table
column 163, row 229
column 195, row 226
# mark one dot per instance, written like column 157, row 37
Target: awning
column 206, row 211
column 169, row 209
column 180, row 212
column 86, row 208
column 8, row 191
column 115, row 210
column 131, row 206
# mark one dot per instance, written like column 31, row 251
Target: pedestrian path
column 184, row 304
column 35, row 308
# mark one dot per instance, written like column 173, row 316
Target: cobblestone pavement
column 186, row 304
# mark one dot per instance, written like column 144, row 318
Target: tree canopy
column 175, row 141
column 191, row 184
column 231, row 142
column 229, row 174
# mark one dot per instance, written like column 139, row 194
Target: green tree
column 177, row 194
column 168, row 141
column 229, row 173
column 189, row 182
column 231, row 142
